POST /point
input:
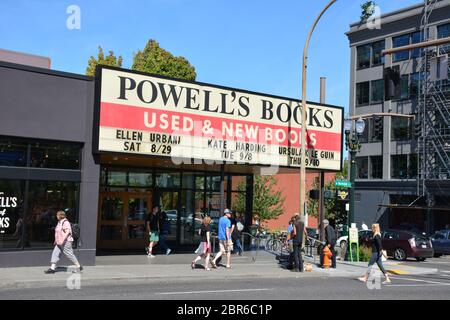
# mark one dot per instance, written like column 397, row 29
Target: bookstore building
column 107, row 149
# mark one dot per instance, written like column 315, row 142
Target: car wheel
column 343, row 245
column 421, row 259
column 400, row 254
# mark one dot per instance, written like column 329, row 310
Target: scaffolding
column 433, row 112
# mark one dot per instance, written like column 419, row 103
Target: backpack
column 75, row 231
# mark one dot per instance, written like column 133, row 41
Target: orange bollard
column 327, row 254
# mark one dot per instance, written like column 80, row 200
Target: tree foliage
column 368, row 8
column 156, row 60
column 267, row 202
column 109, row 60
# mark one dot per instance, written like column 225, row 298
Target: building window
column 45, row 198
column 404, row 87
column 39, row 154
column 364, row 138
column 362, row 164
column 376, row 167
column 444, row 32
column 414, row 84
column 412, row 167
column 377, row 57
column 399, row 129
column 405, row 40
column 399, row 166
column 363, row 56
column 369, row 55
column 400, row 42
column 32, row 224
column 13, row 152
column 415, row 38
column 362, row 93
column 13, row 232
column 377, row 91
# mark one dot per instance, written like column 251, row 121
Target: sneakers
column 168, row 252
column 150, row 255
column 387, row 282
column 49, row 271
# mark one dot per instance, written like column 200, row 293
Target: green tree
column 368, row 8
column 109, row 60
column 334, row 209
column 267, row 202
column 154, row 59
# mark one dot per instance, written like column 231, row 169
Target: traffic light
column 377, row 127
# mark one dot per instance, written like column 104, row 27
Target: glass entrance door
column 122, row 220
column 169, row 202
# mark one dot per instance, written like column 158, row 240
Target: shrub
column 364, row 253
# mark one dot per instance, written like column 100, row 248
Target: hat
column 227, row 211
column 325, row 221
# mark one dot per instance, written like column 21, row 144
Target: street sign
column 343, row 184
column 328, row 194
column 353, row 234
column 342, row 195
column 353, row 240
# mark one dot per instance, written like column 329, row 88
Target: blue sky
column 250, row 44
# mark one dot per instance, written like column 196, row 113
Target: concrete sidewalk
column 176, row 267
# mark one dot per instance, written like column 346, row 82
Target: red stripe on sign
column 179, row 123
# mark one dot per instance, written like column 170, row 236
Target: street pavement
column 254, row 276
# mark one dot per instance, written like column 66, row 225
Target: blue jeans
column 376, row 257
column 239, row 245
column 162, row 241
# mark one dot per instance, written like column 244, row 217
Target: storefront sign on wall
column 150, row 115
column 5, row 204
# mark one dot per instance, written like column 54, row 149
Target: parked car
column 411, row 227
column 402, row 244
column 441, row 242
column 363, row 236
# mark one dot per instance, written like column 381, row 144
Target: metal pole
column 351, row 212
column 322, row 174
column 222, row 188
column 304, row 113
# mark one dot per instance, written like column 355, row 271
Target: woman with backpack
column 63, row 243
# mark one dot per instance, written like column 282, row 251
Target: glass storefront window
column 13, row 222
column 138, row 179
column 117, row 178
column 213, row 183
column 199, row 182
column 188, row 181
column 45, row 198
column 55, row 155
column 168, row 180
column 112, row 208
column 137, row 209
column 13, row 153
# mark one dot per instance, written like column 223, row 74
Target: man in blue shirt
column 225, row 242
